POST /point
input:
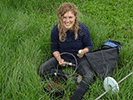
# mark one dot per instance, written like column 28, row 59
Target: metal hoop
column 76, row 62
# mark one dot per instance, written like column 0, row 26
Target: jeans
column 84, row 70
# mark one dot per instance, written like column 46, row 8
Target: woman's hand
column 59, row 59
column 80, row 55
column 85, row 50
column 61, row 62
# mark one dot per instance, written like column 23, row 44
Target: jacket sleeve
column 87, row 38
column 54, row 39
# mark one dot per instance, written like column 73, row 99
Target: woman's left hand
column 80, row 55
column 85, row 50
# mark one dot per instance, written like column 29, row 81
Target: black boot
column 80, row 91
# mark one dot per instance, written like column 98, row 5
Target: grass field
column 25, row 28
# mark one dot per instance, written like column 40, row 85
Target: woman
column 70, row 35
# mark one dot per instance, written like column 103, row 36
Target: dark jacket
column 70, row 44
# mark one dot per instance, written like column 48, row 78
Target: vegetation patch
column 25, row 28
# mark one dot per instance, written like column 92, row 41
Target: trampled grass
column 25, row 28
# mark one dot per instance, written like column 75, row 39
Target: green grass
column 25, row 28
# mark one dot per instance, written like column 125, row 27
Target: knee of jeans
column 40, row 70
column 88, row 78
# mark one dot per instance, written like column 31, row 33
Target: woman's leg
column 87, row 73
column 50, row 64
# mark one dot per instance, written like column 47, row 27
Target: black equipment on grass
column 55, row 81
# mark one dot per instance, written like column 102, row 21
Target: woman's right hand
column 59, row 59
column 61, row 62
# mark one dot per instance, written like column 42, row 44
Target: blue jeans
column 84, row 69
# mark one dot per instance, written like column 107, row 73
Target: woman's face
column 68, row 20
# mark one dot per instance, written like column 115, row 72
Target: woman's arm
column 58, row 57
column 88, row 45
column 55, row 46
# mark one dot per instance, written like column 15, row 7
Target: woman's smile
column 68, row 20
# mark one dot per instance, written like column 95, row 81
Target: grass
column 25, row 28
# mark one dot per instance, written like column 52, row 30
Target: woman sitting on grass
column 70, row 35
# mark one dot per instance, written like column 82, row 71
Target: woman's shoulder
column 83, row 26
column 55, row 29
column 83, row 30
